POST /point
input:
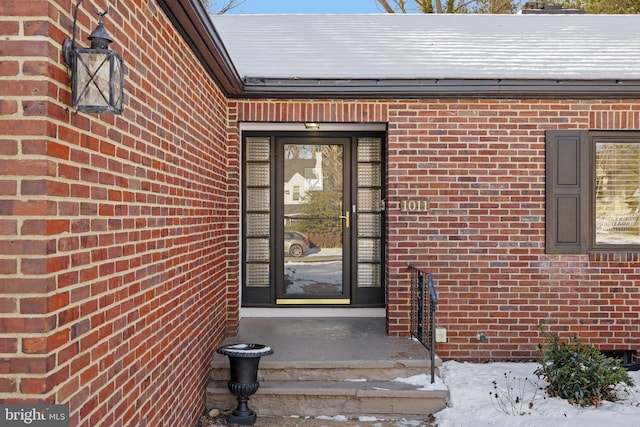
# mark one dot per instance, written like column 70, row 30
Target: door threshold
column 312, row 312
column 309, row 301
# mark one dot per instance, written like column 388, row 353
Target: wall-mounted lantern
column 96, row 74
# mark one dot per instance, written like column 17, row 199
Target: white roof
column 432, row 46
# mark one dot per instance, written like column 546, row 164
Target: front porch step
column 315, row 388
column 331, row 398
column 330, row 366
column 339, row 370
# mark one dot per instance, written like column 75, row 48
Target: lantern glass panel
column 117, row 82
column 98, row 81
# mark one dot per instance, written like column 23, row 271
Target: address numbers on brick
column 412, row 205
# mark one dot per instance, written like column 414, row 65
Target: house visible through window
column 593, row 191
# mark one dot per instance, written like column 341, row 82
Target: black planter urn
column 244, row 360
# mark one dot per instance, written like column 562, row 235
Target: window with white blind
column 593, row 191
column 617, row 193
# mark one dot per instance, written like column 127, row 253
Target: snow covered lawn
column 470, row 386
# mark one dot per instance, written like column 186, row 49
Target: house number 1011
column 414, row 206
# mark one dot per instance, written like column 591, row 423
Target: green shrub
column 579, row 373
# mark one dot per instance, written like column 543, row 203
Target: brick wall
column 118, row 234
column 481, row 163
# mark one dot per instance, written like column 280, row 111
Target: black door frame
column 347, row 184
column 358, row 297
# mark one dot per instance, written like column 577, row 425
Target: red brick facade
column 481, row 164
column 119, row 235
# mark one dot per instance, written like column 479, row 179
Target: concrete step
column 330, row 366
column 346, row 387
column 331, row 398
column 329, row 370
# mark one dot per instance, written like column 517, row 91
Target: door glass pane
column 257, row 250
column 258, row 275
column 257, row 149
column 258, row 199
column 369, row 175
column 257, row 224
column 257, row 213
column 369, row 150
column 369, row 218
column 369, row 199
column 369, row 225
column 368, row 250
column 313, row 219
column 368, row 275
column 258, row 174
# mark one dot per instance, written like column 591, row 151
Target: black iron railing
column 424, row 301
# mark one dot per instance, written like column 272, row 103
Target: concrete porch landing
column 330, row 366
column 327, row 339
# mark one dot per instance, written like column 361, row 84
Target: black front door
column 314, row 203
column 313, row 220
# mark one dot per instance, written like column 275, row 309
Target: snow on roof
column 432, row 46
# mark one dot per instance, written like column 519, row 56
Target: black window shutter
column 567, row 186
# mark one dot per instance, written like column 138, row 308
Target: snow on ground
column 470, row 386
column 423, row 382
column 303, row 274
column 472, row 405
